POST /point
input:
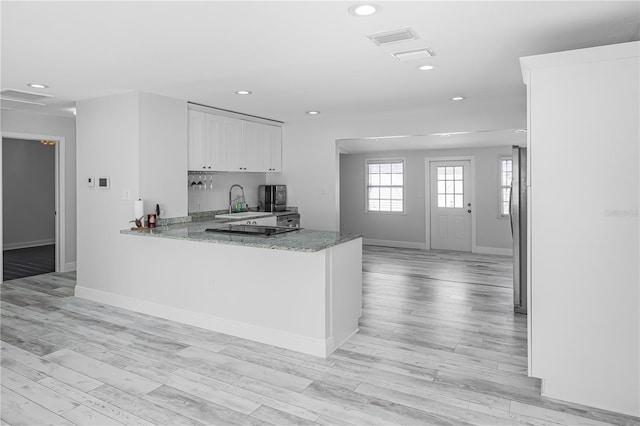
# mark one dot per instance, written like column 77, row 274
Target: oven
column 291, row 220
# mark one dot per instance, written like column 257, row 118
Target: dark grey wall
column 28, row 193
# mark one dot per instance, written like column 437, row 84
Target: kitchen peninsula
column 300, row 290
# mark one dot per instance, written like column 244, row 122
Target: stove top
column 254, row 230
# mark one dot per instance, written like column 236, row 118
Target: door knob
column 469, row 211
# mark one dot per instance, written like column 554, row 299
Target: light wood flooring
column 439, row 344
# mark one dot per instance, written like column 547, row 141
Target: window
column 385, row 186
column 450, row 187
column 505, row 185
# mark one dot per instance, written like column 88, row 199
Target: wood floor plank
column 197, row 408
column 98, row 370
column 143, row 408
column 243, row 368
column 96, row 404
column 19, row 411
column 320, row 406
column 262, row 399
column 277, row 417
column 48, row 368
column 201, row 388
column 35, row 392
column 86, row 416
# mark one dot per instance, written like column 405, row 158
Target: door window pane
column 450, row 186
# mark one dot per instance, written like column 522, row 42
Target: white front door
column 450, row 200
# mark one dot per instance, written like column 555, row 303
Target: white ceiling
column 297, row 56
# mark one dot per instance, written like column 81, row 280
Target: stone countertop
column 303, row 240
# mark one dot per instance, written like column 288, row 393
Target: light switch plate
column 91, row 182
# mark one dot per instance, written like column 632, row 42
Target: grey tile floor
column 439, row 345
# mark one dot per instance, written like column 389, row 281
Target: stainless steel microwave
column 272, row 198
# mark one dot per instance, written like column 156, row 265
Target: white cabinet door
column 235, row 148
column 262, row 147
column 275, row 149
column 223, row 136
column 253, row 136
column 196, row 140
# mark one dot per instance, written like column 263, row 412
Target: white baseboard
column 27, row 244
column 283, row 339
column 391, row 243
column 70, row 266
column 493, row 250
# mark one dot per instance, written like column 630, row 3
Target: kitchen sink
column 242, row 215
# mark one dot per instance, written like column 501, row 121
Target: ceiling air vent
column 411, row 55
column 395, row 36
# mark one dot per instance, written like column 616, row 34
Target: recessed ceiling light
column 313, row 112
column 426, row 67
column 521, row 131
column 243, row 92
column 38, row 85
column 457, row 98
column 362, row 9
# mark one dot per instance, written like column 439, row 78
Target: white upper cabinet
column 262, row 147
column 196, row 156
column 224, row 135
column 275, row 147
column 220, row 143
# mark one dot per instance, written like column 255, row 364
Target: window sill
column 387, row 213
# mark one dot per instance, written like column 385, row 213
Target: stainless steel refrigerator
column 518, row 217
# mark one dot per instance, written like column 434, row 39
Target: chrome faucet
column 235, row 199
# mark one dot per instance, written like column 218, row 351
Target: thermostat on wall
column 103, row 182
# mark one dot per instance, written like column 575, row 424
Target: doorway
column 450, row 219
column 33, row 205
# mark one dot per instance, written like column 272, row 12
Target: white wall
column 492, row 231
column 218, row 197
column 114, row 134
column 163, row 154
column 28, row 176
column 107, row 146
column 40, row 124
column 584, row 229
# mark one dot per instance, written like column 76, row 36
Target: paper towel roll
column 138, row 209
